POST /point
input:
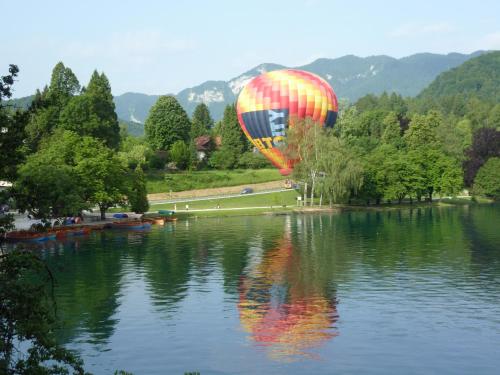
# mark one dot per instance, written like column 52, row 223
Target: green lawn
column 279, row 199
column 161, row 182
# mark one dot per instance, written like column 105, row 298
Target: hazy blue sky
column 158, row 47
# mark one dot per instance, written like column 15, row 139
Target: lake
column 411, row 291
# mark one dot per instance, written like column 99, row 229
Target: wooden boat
column 78, row 231
column 28, row 236
column 170, row 219
column 131, row 225
column 155, row 220
column 71, row 231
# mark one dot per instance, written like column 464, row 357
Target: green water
column 395, row 292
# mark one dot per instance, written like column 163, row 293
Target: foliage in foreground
column 27, row 319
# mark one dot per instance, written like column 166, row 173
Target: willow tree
column 340, row 172
column 324, row 161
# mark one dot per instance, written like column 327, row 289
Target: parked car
column 247, row 191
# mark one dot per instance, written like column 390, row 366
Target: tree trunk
column 103, row 212
column 321, row 199
column 312, row 188
column 312, row 195
column 430, row 195
column 305, row 195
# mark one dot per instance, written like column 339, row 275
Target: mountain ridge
column 351, row 77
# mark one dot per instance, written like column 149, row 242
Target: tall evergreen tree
column 234, row 141
column 232, row 136
column 47, row 105
column 201, row 122
column 99, row 90
column 167, row 122
column 93, row 112
column 63, row 84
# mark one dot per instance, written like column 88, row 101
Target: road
column 187, row 199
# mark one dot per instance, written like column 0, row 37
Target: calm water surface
column 400, row 292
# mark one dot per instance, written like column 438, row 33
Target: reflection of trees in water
column 189, row 252
column 88, row 275
column 412, row 238
column 481, row 225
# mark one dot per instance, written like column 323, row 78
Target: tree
column 12, row 135
column 487, row 181
column 301, row 146
column 47, row 188
column 391, row 134
column 485, row 144
column 93, row 112
column 222, row 159
column 234, row 141
column 400, row 176
column 63, row 85
column 422, row 131
column 102, row 175
column 11, row 143
column 167, row 123
column 137, row 196
column 46, row 108
column 99, row 90
column 373, row 180
column 323, row 161
column 340, row 172
column 134, row 152
column 436, row 172
column 7, row 81
column 201, row 123
column 180, row 154
column 494, row 117
column 79, row 116
column 70, row 173
column 28, row 317
column 253, row 160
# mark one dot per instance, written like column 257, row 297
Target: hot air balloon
column 274, row 100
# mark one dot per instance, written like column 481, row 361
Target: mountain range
column 350, row 76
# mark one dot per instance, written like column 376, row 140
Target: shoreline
column 265, row 211
column 338, row 208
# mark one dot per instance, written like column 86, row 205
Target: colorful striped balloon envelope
column 271, row 102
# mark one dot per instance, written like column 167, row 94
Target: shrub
column 487, row 181
column 253, row 160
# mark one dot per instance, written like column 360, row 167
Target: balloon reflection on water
column 283, row 311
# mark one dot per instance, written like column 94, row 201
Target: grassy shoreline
column 338, row 208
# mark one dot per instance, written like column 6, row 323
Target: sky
column 160, row 47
